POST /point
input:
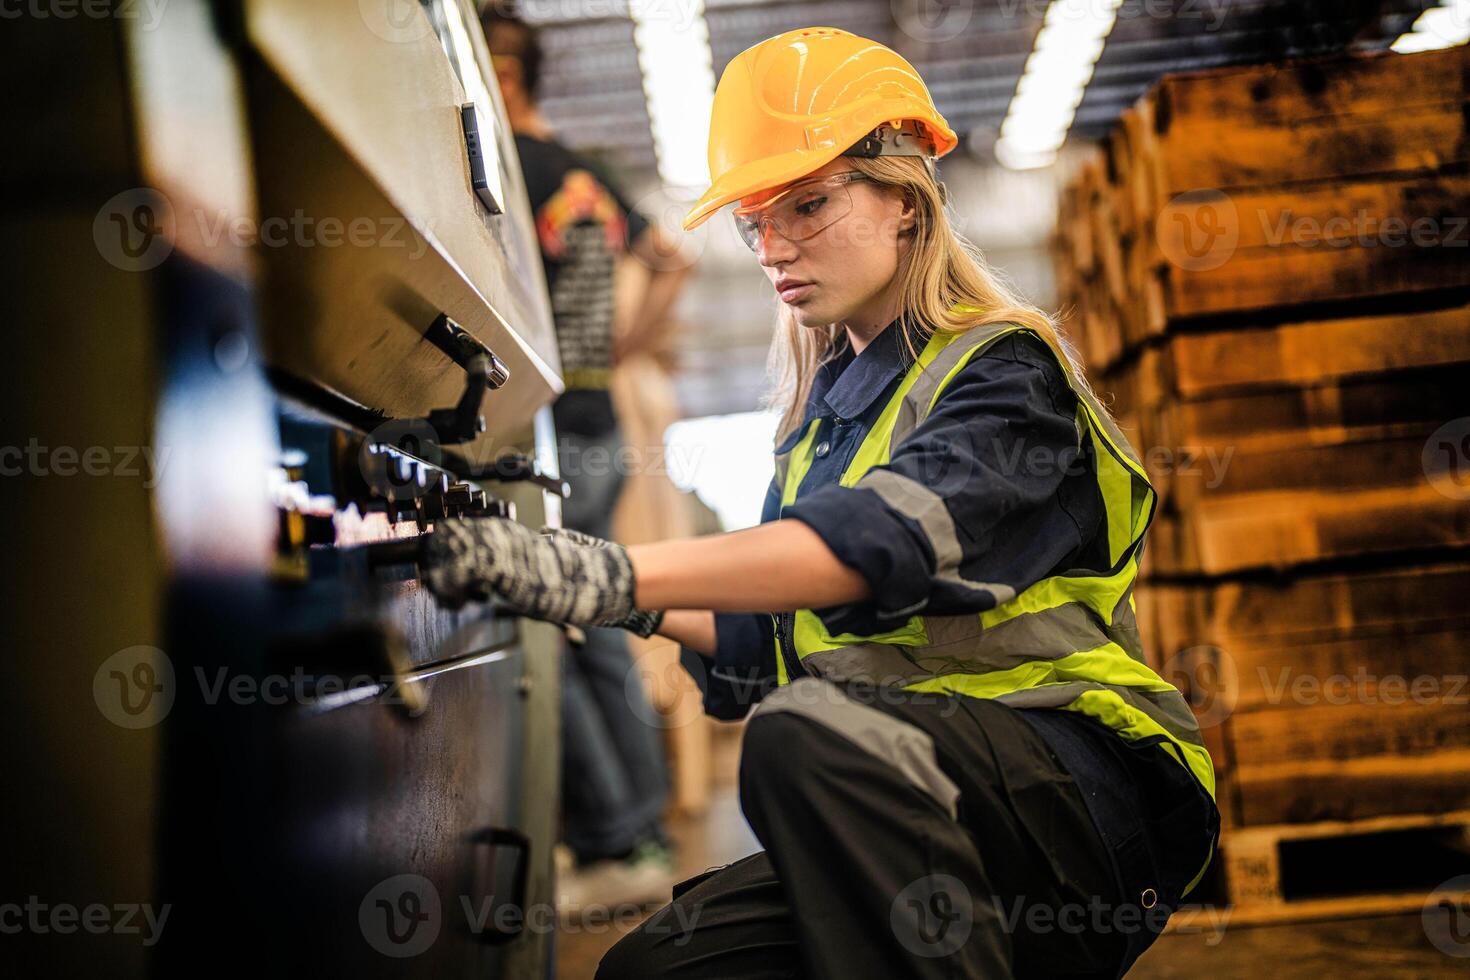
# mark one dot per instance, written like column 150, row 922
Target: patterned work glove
column 545, row 576
column 641, row 622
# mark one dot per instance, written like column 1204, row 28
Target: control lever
column 483, row 371
column 517, row 467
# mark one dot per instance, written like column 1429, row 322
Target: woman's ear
column 908, row 214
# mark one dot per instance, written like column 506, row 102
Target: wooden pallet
column 1335, row 155
column 1264, row 865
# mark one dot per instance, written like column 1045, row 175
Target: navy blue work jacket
column 1027, row 507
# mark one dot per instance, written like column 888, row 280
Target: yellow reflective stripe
column 1116, row 484
column 801, row 461
column 877, row 443
column 959, row 366
column 1133, row 724
column 1107, row 664
column 1101, row 593
column 1098, row 425
column 812, row 635
column 782, row 678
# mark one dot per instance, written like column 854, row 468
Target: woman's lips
column 793, row 293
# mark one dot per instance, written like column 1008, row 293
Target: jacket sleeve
column 743, row 668
column 989, row 494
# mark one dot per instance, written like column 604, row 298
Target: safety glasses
column 801, row 210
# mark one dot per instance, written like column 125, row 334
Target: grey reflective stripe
column 1168, row 708
column 783, row 463
column 960, row 645
column 871, row 663
column 912, row 499
column 904, row 746
column 915, row 405
column 1124, row 629
column 1045, row 634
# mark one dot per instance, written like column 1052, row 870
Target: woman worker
column 958, row 763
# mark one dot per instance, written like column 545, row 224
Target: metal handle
column 399, row 551
column 496, row 837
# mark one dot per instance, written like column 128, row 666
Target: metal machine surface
column 269, row 308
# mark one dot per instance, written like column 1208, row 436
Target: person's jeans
column 614, row 776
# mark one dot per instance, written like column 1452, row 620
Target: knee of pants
column 634, row 957
column 771, row 753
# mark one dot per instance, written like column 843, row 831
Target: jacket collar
column 848, row 384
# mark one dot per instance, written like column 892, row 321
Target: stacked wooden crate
column 1267, row 271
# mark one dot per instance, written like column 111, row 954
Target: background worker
column 614, row 773
column 955, row 727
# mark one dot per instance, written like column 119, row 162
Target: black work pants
column 922, row 835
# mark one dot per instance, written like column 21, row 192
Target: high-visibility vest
column 1069, row 641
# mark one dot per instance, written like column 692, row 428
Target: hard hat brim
column 770, row 172
column 754, row 177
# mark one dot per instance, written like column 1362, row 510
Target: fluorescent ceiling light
column 1061, row 64
column 1445, row 26
column 678, row 84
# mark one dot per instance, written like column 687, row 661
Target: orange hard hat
column 795, row 102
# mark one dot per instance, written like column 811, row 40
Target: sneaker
column 600, row 889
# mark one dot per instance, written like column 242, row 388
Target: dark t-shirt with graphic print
column 583, row 224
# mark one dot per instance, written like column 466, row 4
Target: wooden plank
column 1303, row 353
column 1201, row 473
column 1391, row 666
column 1268, row 279
column 1414, row 210
column 1382, row 406
column 1282, row 529
column 1256, row 615
column 1285, row 94
column 1321, row 734
column 1353, row 788
column 1418, row 139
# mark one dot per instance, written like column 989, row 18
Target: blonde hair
column 941, row 269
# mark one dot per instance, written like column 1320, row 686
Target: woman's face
column 848, row 266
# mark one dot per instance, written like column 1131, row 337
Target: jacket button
column 824, row 448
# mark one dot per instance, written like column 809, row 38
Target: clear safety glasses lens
column 800, row 212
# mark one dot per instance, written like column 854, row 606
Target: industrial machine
column 274, row 306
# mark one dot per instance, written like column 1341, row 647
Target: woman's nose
column 772, row 247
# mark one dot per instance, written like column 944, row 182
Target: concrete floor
column 1383, row 947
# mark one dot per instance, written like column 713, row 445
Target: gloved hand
column 641, row 622
column 551, row 576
